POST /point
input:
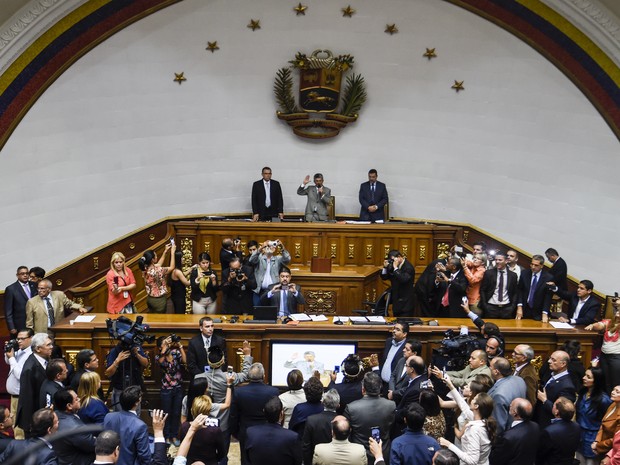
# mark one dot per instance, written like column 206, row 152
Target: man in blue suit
column 269, row 442
column 15, row 297
column 373, row 197
column 247, row 406
column 558, row 385
column 79, row 448
column 534, row 298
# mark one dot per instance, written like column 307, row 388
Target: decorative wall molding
column 594, row 20
column 28, row 24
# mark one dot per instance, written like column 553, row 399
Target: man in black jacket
column 518, row 444
column 200, row 344
column 400, row 272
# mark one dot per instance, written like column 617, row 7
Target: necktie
column 500, row 287
column 372, row 192
column 284, row 303
column 530, row 297
column 50, row 311
column 208, row 343
column 267, row 195
column 445, row 301
column 27, row 290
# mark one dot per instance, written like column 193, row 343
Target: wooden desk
column 370, row 339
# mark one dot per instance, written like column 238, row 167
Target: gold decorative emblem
column 391, row 29
column 300, row 9
column 443, row 250
column 95, row 263
column 212, row 46
column 254, row 24
column 458, row 85
column 348, row 12
column 430, row 53
column 321, row 301
column 180, row 77
column 319, row 94
column 422, row 252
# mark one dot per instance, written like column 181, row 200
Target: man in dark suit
column 560, row 440
column 31, row 380
column 534, row 298
column 15, row 297
column 418, row 380
column 229, row 250
column 247, row 406
column 558, row 385
column 55, row 375
column 285, row 295
column 498, row 291
column 451, row 286
column 399, row 379
column 6, row 422
column 267, row 200
column 107, row 447
column 238, row 282
column 400, row 272
column 559, row 270
column 78, row 448
column 318, row 428
column 44, row 423
column 269, row 443
column 370, row 411
column 582, row 308
column 518, row 444
column 199, row 346
column 373, row 196
column 425, row 288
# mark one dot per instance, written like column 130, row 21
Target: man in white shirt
column 16, row 359
column 512, row 262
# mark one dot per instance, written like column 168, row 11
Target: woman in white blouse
column 479, row 433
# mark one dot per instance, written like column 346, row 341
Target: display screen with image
column 307, row 357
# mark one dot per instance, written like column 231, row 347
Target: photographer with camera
column 451, row 286
column 400, row 272
column 230, row 249
column 267, row 265
column 171, row 357
column 237, row 288
column 16, row 352
column 204, row 286
column 124, row 368
column 285, row 295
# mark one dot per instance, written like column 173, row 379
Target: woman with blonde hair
column 120, row 281
column 93, row 409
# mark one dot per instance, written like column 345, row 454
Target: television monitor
column 306, row 356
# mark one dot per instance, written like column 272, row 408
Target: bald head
column 340, row 428
column 416, row 363
column 558, row 361
column 521, row 409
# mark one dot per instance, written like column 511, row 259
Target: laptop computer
column 264, row 314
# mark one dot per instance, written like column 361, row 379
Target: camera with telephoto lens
column 239, row 274
column 11, row 345
column 175, row 339
column 129, row 333
column 453, row 354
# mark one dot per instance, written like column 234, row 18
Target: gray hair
column 331, row 399
column 528, row 352
column 256, row 372
column 38, row 340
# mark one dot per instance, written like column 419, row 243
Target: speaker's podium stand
column 321, row 265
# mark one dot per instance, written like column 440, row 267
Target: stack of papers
column 306, row 317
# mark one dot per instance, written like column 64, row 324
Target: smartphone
column 458, row 249
column 150, row 412
column 375, row 432
column 230, row 370
column 116, row 280
column 172, row 241
column 337, row 369
column 465, row 300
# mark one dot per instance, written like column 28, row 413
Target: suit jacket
column 236, row 297
column 588, row 313
column 4, row 442
column 258, row 199
column 403, row 295
column 398, row 380
column 561, row 387
column 411, row 395
column 226, row 257
column 45, row 455
column 135, row 443
column 36, row 310
column 47, row 391
column 340, row 453
column 366, row 413
column 542, row 295
column 609, row 426
column 559, row 270
column 529, row 374
column 349, row 392
column 397, row 357
column 489, row 283
column 272, row 444
column 457, row 289
column 516, row 446
column 292, row 300
column 15, row 299
column 316, row 207
column 558, row 443
column 77, row 449
column 366, row 200
column 197, row 355
column 318, row 431
column 503, row 392
column 259, row 262
column 425, row 289
column 31, row 380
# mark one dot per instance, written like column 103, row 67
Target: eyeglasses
column 516, row 353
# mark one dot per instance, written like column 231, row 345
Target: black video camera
column 129, row 333
column 11, row 345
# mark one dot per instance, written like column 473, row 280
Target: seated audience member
column 44, row 423
column 269, row 443
column 48, row 307
column 314, row 393
column 399, row 379
column 237, row 284
column 340, row 451
column 295, row 394
column 6, row 423
column 414, row 446
column 350, row 389
column 318, row 428
column 210, row 447
column 435, row 422
column 107, row 447
column 592, row 403
column 204, row 286
column 171, row 359
column 507, row 388
column 558, row 385
column 79, row 447
column 559, row 441
column 498, row 291
column 120, row 281
column 285, row 295
column 474, row 271
column 518, row 444
column 477, row 365
column 610, row 424
column 93, row 409
column 154, row 275
column 582, row 308
column 55, row 375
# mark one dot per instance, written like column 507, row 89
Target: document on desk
column 300, row 317
column 377, row 318
column 84, row 318
column 318, row 317
column 559, row 325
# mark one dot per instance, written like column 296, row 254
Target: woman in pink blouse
column 154, row 275
column 121, row 282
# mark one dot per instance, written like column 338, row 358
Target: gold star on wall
column 430, row 53
column 458, row 85
column 391, row 29
column 212, row 46
column 254, row 24
column 300, row 9
column 348, row 11
column 179, row 77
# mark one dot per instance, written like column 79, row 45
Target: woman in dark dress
column 178, row 284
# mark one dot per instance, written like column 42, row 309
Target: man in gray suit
column 319, row 198
column 507, row 388
column 371, row 411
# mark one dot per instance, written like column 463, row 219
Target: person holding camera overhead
column 267, row 266
column 170, row 358
column 237, row 288
column 154, row 275
column 204, row 286
column 400, row 272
